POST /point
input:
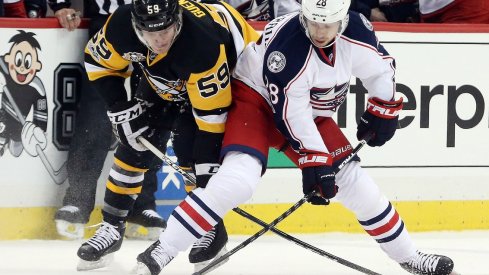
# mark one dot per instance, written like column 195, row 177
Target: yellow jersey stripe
column 210, row 127
column 214, row 91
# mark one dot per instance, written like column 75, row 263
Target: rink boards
column 435, row 170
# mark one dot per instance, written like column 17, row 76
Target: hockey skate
column 146, row 225
column 70, row 222
column 152, row 260
column 210, row 246
column 97, row 252
column 429, row 264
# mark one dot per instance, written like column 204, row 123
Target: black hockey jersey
column 196, row 68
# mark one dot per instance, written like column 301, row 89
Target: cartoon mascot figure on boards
column 20, row 92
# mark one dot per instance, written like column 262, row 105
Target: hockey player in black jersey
column 91, row 141
column 186, row 51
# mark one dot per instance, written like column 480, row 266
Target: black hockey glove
column 379, row 120
column 318, row 175
column 129, row 122
column 204, row 171
column 207, row 147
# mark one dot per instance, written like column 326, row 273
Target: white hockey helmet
column 325, row 11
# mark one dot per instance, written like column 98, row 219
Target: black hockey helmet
column 155, row 15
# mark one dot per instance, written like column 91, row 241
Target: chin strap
column 142, row 40
column 341, row 29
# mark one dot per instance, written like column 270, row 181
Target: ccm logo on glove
column 130, row 121
column 126, row 115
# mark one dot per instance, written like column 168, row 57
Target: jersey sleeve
column 289, row 93
column 210, row 91
column 210, row 95
column 372, row 63
column 106, row 69
column 40, row 115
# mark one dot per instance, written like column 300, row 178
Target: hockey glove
column 204, row 171
column 33, row 136
column 3, row 83
column 128, row 122
column 379, row 120
column 207, row 147
column 318, row 175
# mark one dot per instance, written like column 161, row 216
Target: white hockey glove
column 3, row 83
column 33, row 136
column 129, row 123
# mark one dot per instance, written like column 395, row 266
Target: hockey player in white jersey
column 286, row 88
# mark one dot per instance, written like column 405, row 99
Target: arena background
column 435, row 170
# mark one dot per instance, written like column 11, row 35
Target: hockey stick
column 305, row 245
column 58, row 176
column 289, row 211
column 169, row 162
column 247, row 215
column 270, row 227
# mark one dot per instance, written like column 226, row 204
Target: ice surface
column 268, row 255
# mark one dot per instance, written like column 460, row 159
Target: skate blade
column 454, row 273
column 140, row 269
column 199, row 266
column 139, row 232
column 90, row 265
column 72, row 231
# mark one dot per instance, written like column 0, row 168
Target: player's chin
column 320, row 43
column 161, row 50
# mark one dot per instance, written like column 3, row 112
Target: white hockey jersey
column 302, row 82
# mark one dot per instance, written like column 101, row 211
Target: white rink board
column 398, row 184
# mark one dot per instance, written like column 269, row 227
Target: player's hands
column 33, row 136
column 318, row 175
column 379, row 120
column 129, row 122
column 68, row 18
column 3, row 82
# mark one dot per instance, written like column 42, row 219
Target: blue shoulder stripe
column 292, row 43
column 361, row 30
column 283, row 61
